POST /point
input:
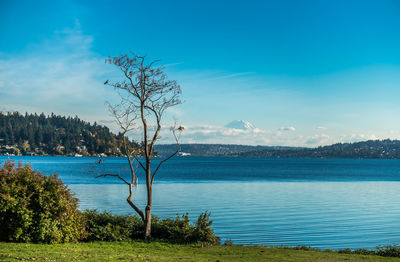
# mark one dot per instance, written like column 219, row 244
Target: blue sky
column 304, row 73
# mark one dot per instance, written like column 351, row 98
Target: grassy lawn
column 156, row 251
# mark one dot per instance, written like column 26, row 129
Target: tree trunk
column 147, row 224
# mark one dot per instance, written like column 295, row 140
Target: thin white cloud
column 227, row 76
column 320, row 128
column 106, row 122
column 317, row 140
column 219, row 135
column 357, row 138
column 225, row 135
column 208, row 134
column 288, row 128
column 173, row 64
column 60, row 75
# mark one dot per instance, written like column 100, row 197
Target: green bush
column 180, row 230
column 384, row 251
column 41, row 209
column 228, row 242
column 345, row 251
column 37, row 208
column 362, row 251
column 203, row 230
column 388, row 251
column 176, row 230
column 107, row 227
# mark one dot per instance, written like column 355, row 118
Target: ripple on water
column 319, row 214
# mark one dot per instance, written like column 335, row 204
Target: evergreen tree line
column 379, row 149
column 55, row 135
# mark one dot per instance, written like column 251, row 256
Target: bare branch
column 113, row 175
column 177, row 137
column 140, row 163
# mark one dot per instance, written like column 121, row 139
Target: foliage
column 55, row 135
column 387, row 149
column 107, row 227
column 203, row 230
column 176, row 230
column 179, row 230
column 37, row 208
column 228, row 242
column 388, row 251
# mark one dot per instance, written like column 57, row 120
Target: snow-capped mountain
column 240, row 124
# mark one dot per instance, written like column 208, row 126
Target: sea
column 322, row 203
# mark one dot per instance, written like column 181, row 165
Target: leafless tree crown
column 146, row 93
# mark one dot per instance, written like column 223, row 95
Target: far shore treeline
column 371, row 149
column 33, row 134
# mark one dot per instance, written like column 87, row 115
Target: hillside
column 33, row 134
column 367, row 149
column 217, row 149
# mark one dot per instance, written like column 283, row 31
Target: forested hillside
column 33, row 134
column 388, row 149
column 216, row 149
column 367, row 149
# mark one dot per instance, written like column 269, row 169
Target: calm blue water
column 324, row 203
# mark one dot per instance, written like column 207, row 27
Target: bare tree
column 146, row 94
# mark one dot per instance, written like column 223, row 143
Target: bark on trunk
column 147, row 224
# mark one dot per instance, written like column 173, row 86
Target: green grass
column 157, row 251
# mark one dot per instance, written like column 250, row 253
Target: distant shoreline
column 371, row 149
column 218, row 156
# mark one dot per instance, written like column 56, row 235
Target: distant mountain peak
column 240, row 124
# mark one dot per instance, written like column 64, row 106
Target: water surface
column 324, row 203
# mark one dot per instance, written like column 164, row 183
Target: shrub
column 345, row 251
column 228, row 242
column 384, row 251
column 37, row 208
column 181, row 231
column 388, row 251
column 107, row 227
column 362, row 251
column 176, row 230
column 203, row 231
